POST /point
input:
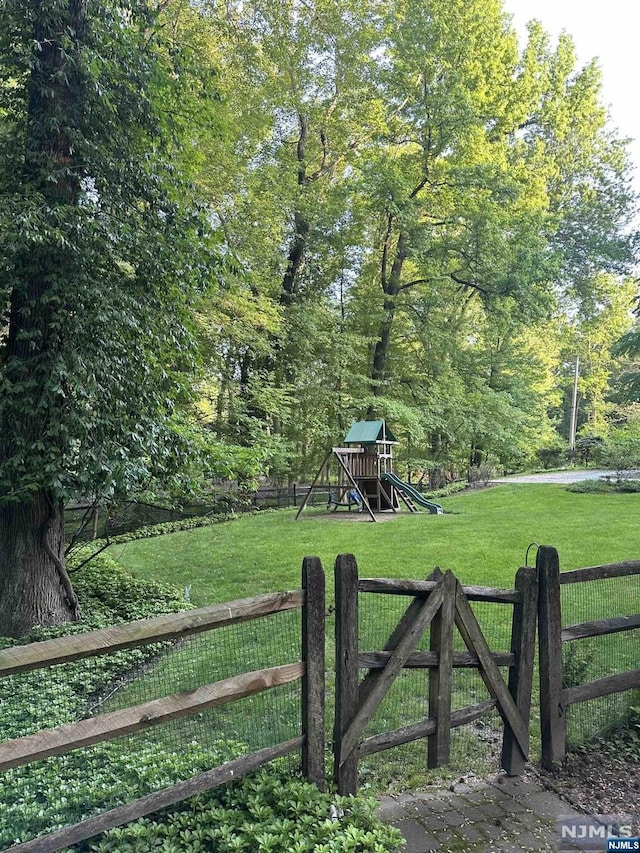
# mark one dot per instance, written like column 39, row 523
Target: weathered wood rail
column 554, row 696
column 310, row 599
column 440, row 603
column 172, row 626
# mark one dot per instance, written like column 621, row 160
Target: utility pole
column 574, row 407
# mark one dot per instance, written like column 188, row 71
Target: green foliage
column 621, row 450
column 268, row 812
column 104, row 776
column 605, row 487
column 591, row 487
column 588, row 446
column 445, row 491
column 63, row 790
column 627, row 387
column 577, row 663
column 102, row 248
column 168, row 527
column 622, row 743
column 451, row 202
column 479, row 219
column 551, row 456
column 108, row 595
column 462, row 218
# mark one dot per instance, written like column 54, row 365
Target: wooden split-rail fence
column 555, row 698
column 310, row 670
column 440, row 604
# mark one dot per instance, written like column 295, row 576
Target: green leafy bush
column 591, row 487
column 605, row 487
column 160, row 529
column 267, row 812
column 627, row 486
column 62, row 790
column 578, row 659
column 445, row 491
column 588, row 445
column 622, row 450
column 108, row 595
column 34, row 701
column 551, row 456
column 168, row 527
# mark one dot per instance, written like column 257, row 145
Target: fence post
column 295, row 495
column 441, row 641
column 346, row 591
column 313, row 686
column 552, row 719
column 523, row 641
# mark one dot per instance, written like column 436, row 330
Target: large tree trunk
column 34, row 585
column 272, row 366
column 295, row 258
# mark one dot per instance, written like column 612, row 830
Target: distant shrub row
column 604, row 487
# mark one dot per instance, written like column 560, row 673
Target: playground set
column 363, row 476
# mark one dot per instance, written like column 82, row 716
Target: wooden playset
column 364, row 478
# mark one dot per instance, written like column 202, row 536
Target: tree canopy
column 102, row 251
column 241, row 225
column 422, row 200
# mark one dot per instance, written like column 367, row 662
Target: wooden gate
column 439, row 603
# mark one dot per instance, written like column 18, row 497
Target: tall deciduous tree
column 413, row 195
column 589, row 337
column 450, row 202
column 300, row 95
column 99, row 251
column 495, row 173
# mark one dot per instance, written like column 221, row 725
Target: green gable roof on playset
column 370, row 432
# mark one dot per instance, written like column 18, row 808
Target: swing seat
column 334, row 503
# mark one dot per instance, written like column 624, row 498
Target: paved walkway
column 501, row 814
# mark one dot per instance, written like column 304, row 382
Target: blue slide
column 413, row 494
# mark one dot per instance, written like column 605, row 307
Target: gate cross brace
column 405, row 623
column 473, row 637
column 382, row 680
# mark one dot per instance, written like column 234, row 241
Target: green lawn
column 483, row 537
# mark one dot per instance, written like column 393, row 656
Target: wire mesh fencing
column 588, row 624
column 89, row 521
column 591, row 658
column 62, row 790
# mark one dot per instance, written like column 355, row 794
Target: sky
column 609, row 31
